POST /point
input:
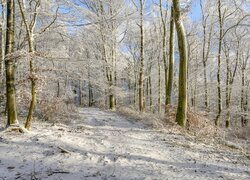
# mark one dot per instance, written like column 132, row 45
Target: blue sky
column 195, row 13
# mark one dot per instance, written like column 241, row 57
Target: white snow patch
column 104, row 145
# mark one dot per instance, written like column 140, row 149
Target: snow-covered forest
column 124, row 89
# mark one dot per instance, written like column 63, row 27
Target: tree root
column 14, row 128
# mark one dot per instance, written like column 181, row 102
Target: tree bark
column 159, row 86
column 1, row 54
column 244, row 92
column 135, row 88
column 242, row 102
column 2, row 41
column 194, row 89
column 219, row 65
column 181, row 115
column 171, row 60
column 206, row 40
column 113, row 98
column 29, row 31
column 10, row 66
column 230, row 79
column 164, row 48
column 90, row 89
column 141, row 71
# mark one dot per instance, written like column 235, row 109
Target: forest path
column 105, row 145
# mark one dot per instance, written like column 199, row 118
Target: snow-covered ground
column 104, row 145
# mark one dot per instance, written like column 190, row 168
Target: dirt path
column 104, row 145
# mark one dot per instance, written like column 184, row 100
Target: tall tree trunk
column 113, row 78
column 219, row 65
column 80, row 94
column 194, row 94
column 29, row 31
column 141, row 71
column 135, row 87
column 111, row 102
column 1, row 53
column 204, row 57
column 90, row 88
column 150, row 93
column 159, row 86
column 90, row 95
column 2, row 41
column 164, row 48
column 129, row 90
column 147, row 93
column 205, row 71
column 242, row 103
column 193, row 98
column 171, row 60
column 230, row 79
column 244, row 91
column 149, row 88
column 115, row 93
column 181, row 115
column 228, row 89
column 111, row 93
column 58, row 88
column 245, row 108
column 205, row 84
column 9, row 64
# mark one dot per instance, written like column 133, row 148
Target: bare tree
column 2, row 38
column 141, row 70
column 171, row 59
column 10, row 66
column 29, row 30
column 181, row 115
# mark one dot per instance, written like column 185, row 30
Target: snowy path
column 104, row 145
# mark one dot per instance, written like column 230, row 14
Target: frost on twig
column 63, row 150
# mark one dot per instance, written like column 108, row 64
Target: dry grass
column 147, row 118
column 199, row 128
column 198, row 125
column 242, row 133
column 56, row 110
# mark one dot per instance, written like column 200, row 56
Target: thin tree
column 244, row 95
column 159, row 85
column 141, row 69
column 222, row 16
column 2, row 39
column 164, row 47
column 29, row 31
column 171, row 59
column 230, row 76
column 219, row 63
column 205, row 51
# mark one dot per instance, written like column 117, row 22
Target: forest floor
column 104, row 145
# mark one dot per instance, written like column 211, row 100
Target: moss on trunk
column 10, row 66
column 181, row 115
